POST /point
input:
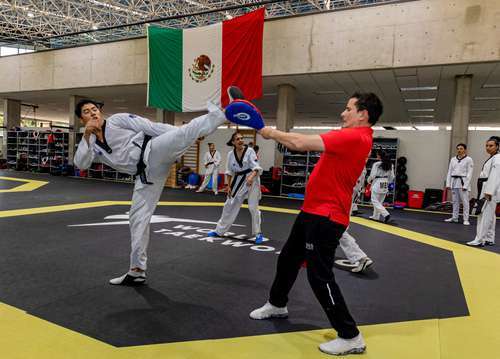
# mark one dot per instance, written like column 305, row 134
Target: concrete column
column 285, row 114
column 164, row 116
column 74, row 127
column 11, row 118
column 461, row 112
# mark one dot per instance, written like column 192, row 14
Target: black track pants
column 314, row 238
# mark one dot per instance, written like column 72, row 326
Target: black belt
column 236, row 187
column 480, row 183
column 381, row 177
column 141, row 166
column 461, row 179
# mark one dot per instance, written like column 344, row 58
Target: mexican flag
column 189, row 67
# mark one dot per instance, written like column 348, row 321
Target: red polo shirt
column 330, row 186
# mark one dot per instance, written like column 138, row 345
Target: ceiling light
column 421, row 88
column 420, row 99
column 94, row 27
column 405, row 128
column 427, row 128
column 486, row 98
column 378, row 128
column 448, row 128
column 30, row 14
column 331, row 92
column 484, row 128
column 420, row 110
column 423, row 116
column 491, row 86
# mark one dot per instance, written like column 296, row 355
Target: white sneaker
column 269, row 311
column 362, row 265
column 466, row 223
column 475, row 243
column 129, row 278
column 340, row 346
column 449, row 220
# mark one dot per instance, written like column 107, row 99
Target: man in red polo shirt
column 324, row 217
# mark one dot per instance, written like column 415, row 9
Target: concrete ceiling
column 320, row 97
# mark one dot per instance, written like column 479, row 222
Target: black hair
column 210, row 143
column 83, row 102
column 256, row 148
column 230, row 142
column 495, row 139
column 463, row 145
column 370, row 102
column 386, row 161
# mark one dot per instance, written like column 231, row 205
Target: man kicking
column 324, row 217
column 146, row 149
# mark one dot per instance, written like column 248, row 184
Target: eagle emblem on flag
column 201, row 69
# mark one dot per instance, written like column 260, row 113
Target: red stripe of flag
column 242, row 55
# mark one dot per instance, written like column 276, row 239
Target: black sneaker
column 488, row 243
column 129, row 278
column 387, row 218
column 235, row 93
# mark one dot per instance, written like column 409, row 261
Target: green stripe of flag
column 165, row 68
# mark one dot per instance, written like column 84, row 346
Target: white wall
column 427, row 153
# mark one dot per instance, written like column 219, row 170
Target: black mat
column 199, row 289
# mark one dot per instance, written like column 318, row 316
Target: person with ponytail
column 381, row 175
column 243, row 182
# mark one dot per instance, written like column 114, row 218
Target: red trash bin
column 415, row 199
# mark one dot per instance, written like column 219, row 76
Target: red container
column 415, row 199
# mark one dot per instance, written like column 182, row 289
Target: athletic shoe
column 129, row 278
column 475, row 243
column 387, row 218
column 449, row 220
column 340, row 346
column 362, row 265
column 235, row 93
column 213, row 234
column 489, row 243
column 216, row 193
column 345, row 264
column 199, row 191
column 259, row 238
column 269, row 311
column 466, row 223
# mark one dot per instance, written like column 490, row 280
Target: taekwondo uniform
column 137, row 146
column 489, row 178
column 347, row 242
column 458, row 179
column 357, row 190
column 239, row 170
column 212, row 170
column 380, row 180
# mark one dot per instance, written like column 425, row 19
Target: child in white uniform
column 211, row 160
column 381, row 175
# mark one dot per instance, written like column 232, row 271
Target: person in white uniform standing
column 357, row 192
column 211, row 161
column 489, row 195
column 381, row 175
column 243, row 182
column 357, row 261
column 137, row 146
column 458, row 180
